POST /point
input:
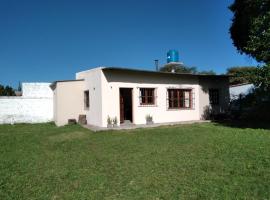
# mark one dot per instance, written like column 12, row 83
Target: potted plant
column 115, row 122
column 149, row 119
column 109, row 122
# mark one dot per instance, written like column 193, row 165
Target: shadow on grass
column 245, row 124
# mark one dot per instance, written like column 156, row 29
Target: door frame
column 131, row 96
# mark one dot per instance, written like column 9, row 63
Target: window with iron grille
column 180, row 98
column 214, row 96
column 147, row 96
column 86, row 99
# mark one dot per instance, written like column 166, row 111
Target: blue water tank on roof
column 172, row 56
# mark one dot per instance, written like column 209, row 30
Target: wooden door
column 125, row 104
column 122, row 103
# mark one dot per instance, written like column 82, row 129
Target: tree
column 250, row 29
column 261, row 80
column 2, row 90
column 241, row 74
column 6, row 91
column 250, row 32
column 178, row 68
column 9, row 91
column 207, row 72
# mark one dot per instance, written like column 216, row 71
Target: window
column 214, row 96
column 147, row 96
column 86, row 99
column 180, row 98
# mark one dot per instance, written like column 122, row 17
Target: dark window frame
column 86, row 99
column 147, row 96
column 214, row 96
column 177, row 99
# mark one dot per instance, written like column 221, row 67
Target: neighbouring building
column 130, row 95
column 240, row 90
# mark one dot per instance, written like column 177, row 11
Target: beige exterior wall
column 93, row 83
column 68, row 101
column 206, row 83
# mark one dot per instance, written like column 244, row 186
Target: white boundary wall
column 34, row 106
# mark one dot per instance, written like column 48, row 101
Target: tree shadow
column 238, row 119
column 243, row 123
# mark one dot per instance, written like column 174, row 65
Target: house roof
column 159, row 72
column 241, row 84
column 53, row 85
column 123, row 69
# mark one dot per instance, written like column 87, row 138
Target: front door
column 125, row 104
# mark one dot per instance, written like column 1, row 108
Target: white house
column 131, row 95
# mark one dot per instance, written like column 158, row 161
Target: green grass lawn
column 200, row 161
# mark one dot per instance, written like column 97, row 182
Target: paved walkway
column 133, row 126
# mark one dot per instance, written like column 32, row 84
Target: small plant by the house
column 115, row 122
column 109, row 122
column 149, row 119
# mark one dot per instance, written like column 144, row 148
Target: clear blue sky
column 52, row 39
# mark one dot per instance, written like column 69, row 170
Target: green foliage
column 252, row 107
column 207, row 72
column 115, row 120
column 199, row 161
column 178, row 68
column 250, row 29
column 149, row 118
column 261, row 79
column 255, row 106
column 109, row 120
column 250, row 32
column 241, row 74
column 6, row 91
column 2, row 90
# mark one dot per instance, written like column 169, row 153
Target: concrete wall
column 34, row 106
column 68, row 101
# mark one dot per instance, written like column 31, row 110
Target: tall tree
column 9, row 91
column 250, row 32
column 2, row 90
column 241, row 74
column 250, row 29
column 207, row 72
column 178, row 68
column 6, row 91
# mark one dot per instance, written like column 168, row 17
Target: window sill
column 178, row 109
column 147, row 105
